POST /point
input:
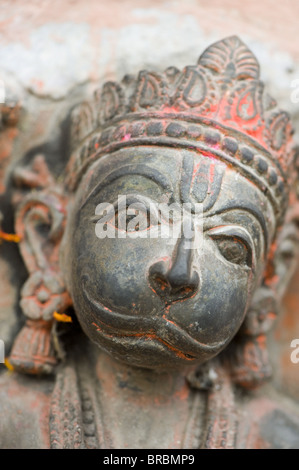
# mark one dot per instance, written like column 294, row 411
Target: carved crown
column 217, row 107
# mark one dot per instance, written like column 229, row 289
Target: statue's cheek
column 218, row 309
column 118, row 273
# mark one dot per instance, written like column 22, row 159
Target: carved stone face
column 165, row 301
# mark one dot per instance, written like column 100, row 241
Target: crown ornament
column 217, row 107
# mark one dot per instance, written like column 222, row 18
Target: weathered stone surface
column 53, row 53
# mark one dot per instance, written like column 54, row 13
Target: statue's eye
column 235, row 244
column 234, row 250
column 133, row 220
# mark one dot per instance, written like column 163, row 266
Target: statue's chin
column 145, row 351
column 149, row 341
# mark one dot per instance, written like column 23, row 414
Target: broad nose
column 180, row 281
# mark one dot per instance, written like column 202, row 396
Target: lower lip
column 133, row 338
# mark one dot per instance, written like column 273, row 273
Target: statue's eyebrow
column 248, row 207
column 143, row 170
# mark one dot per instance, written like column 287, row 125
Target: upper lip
column 161, row 327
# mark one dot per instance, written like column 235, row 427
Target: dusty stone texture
column 52, row 48
column 30, row 413
column 52, row 53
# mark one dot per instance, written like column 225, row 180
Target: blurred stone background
column 55, row 52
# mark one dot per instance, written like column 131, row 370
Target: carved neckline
column 76, row 419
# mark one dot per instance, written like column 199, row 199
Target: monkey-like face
column 157, row 290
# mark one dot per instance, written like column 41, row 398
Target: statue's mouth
column 128, row 329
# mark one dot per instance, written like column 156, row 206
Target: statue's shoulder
column 271, row 420
column 24, row 411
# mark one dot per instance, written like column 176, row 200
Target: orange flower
column 10, row 237
column 62, row 317
column 8, row 364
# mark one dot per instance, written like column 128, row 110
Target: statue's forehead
column 188, row 174
column 179, row 167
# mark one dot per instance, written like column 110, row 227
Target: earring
column 40, row 220
column 42, row 296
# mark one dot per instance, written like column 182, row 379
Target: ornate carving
column 40, row 222
column 197, row 306
column 217, row 106
column 218, row 109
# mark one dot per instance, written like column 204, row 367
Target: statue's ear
column 40, row 220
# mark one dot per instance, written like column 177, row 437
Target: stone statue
column 156, row 268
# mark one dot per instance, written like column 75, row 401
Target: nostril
column 161, row 282
column 157, row 276
column 172, row 284
column 182, row 281
column 178, row 280
column 181, row 292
